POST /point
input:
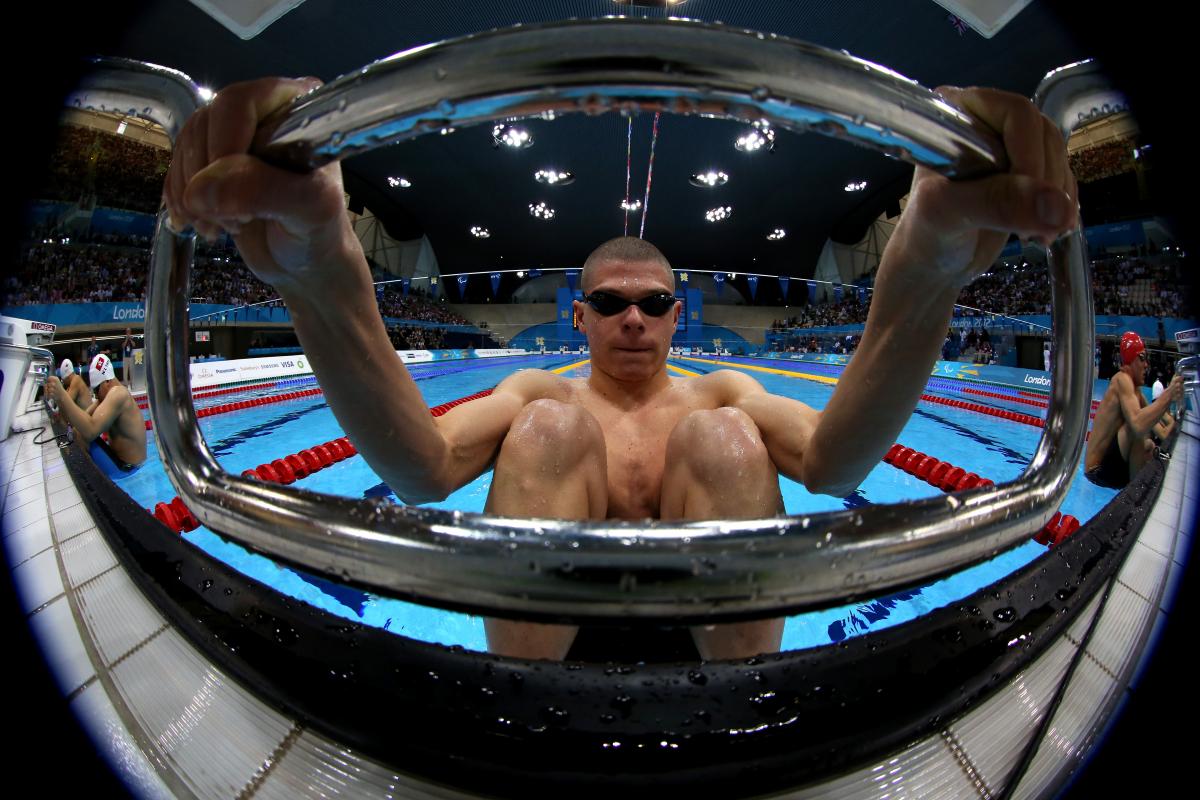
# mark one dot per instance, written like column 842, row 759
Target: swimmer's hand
column 291, row 229
column 958, row 228
column 1175, row 389
column 54, row 389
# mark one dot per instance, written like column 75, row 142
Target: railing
column 685, row 571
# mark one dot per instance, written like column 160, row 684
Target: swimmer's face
column 630, row 345
column 1138, row 368
column 102, row 390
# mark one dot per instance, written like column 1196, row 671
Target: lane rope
column 288, row 469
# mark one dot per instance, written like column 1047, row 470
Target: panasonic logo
column 129, row 313
column 1038, row 381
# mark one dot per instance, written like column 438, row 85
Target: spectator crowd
column 50, row 271
column 93, row 167
column 1150, row 286
column 1101, row 161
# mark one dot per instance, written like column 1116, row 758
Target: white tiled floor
column 175, row 720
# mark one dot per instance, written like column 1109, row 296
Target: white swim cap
column 65, row 369
column 101, row 370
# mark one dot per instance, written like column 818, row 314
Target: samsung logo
column 1038, row 381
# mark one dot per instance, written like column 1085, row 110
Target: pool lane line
column 756, row 368
column 288, row 469
column 225, row 408
column 248, row 385
column 569, row 367
column 949, row 478
column 979, row 408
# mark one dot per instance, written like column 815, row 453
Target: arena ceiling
column 462, row 179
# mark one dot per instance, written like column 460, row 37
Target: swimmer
column 630, row 441
column 76, row 387
column 115, row 412
column 1125, row 426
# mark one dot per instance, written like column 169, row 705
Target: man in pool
column 74, row 385
column 1125, row 423
column 630, row 441
column 115, row 412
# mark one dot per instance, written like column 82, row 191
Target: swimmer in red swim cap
column 1121, row 433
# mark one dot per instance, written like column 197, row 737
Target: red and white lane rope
column 950, row 478
column 288, row 469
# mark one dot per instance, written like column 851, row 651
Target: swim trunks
column 1113, row 472
column 631, row 645
column 109, row 463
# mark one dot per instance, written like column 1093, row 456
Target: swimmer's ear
column 577, row 316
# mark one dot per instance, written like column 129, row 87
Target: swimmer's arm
column 474, row 431
column 378, row 404
column 786, row 425
column 89, row 425
column 1140, row 417
column 950, row 232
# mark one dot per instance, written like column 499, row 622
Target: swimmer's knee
column 550, row 428
column 718, row 444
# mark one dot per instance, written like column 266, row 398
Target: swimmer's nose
column 632, row 317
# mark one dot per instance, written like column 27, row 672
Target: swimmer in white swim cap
column 75, row 385
column 115, row 412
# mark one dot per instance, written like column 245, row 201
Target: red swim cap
column 1131, row 345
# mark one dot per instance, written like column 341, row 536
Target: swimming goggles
column 609, row 304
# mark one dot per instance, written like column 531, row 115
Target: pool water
column 992, row 447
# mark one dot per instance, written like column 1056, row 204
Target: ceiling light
column 856, row 186
column 709, row 180
column 205, row 93
column 520, row 273
column 541, row 211
column 509, row 136
column 631, row 205
column 399, row 183
column 718, row 214
column 480, row 233
column 552, row 177
column 776, row 234
column 762, row 136
column 445, row 131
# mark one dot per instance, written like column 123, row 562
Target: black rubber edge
column 511, row 728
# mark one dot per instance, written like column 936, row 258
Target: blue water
column 989, row 446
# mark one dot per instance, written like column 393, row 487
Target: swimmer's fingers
column 1036, row 151
column 1018, row 204
column 1013, row 118
column 238, row 109
column 224, row 127
column 241, row 188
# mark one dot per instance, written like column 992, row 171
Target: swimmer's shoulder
column 726, row 386
column 537, row 384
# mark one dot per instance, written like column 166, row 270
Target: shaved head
column 627, row 250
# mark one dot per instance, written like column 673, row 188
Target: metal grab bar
column 546, row 569
column 1189, row 368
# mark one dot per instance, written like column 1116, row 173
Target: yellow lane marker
column 772, row 370
column 569, row 367
column 683, row 371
